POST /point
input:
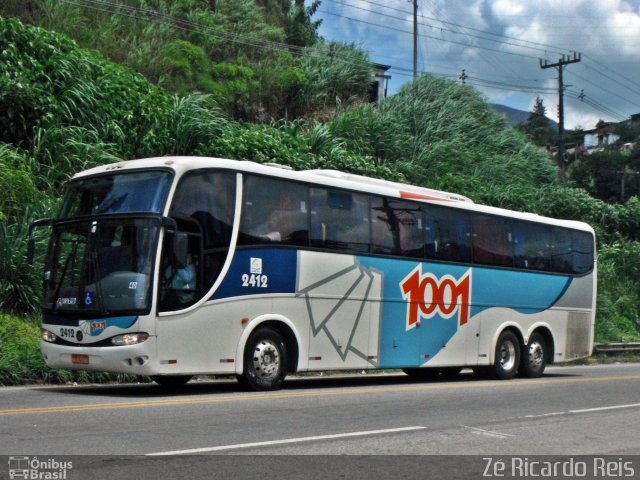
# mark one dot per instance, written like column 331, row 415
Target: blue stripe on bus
column 260, row 271
column 120, row 322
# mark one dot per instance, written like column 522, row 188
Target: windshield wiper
column 74, row 250
column 98, row 271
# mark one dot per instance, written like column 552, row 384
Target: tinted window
column 274, row 211
column 119, row 193
column 561, row 251
column 447, row 234
column 396, row 227
column 582, row 252
column 203, row 208
column 492, row 241
column 339, row 220
column 532, row 245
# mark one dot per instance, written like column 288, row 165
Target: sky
column 500, row 44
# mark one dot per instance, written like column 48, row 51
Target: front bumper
column 136, row 359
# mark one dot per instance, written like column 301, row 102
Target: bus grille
column 578, row 333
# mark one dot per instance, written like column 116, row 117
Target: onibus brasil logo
column 428, row 296
column 38, row 469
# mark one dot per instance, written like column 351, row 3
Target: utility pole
column 559, row 65
column 415, row 38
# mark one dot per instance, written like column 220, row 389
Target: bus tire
column 534, row 357
column 507, row 357
column 265, row 360
column 171, row 381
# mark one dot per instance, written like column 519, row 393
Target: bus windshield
column 120, row 193
column 100, row 267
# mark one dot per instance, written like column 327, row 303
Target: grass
column 21, row 362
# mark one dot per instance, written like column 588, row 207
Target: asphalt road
column 570, row 411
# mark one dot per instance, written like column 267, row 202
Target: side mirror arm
column 31, row 244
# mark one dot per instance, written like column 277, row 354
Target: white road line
column 287, row 441
column 552, row 414
column 601, row 409
column 488, row 433
column 585, row 410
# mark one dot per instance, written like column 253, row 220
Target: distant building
column 601, row 136
column 378, row 90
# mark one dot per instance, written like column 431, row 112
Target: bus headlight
column 48, row 336
column 129, row 339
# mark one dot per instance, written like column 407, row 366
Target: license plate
column 80, row 359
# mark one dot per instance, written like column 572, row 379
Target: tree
column 301, row 31
column 627, row 132
column 537, row 127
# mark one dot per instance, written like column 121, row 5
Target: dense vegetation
column 64, row 108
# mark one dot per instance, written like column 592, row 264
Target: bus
column 174, row 267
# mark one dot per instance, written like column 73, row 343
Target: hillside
column 259, row 60
column 516, row 117
column 64, row 108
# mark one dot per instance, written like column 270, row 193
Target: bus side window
column 561, row 251
column 396, row 227
column 275, row 211
column 531, row 247
column 384, row 227
column 448, row 234
column 492, row 241
column 582, row 252
column 339, row 220
column 203, row 208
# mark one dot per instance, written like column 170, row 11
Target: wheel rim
column 266, row 359
column 507, row 356
column 536, row 354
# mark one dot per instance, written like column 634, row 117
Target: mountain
column 515, row 116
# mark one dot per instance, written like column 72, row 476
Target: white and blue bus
column 180, row 266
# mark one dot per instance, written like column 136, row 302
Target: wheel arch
column 507, row 327
column 284, row 327
column 547, row 335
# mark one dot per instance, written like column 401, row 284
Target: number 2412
column 253, row 280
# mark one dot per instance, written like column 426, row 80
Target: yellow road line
column 316, row 393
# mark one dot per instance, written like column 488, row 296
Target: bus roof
column 332, row 178
column 406, row 191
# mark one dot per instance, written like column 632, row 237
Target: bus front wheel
column 265, row 360
column 534, row 357
column 507, row 356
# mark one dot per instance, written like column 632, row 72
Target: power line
column 635, row 92
column 534, row 45
column 625, row 99
column 545, row 46
column 387, row 27
column 595, row 104
column 146, row 15
column 143, row 14
column 542, row 47
column 494, row 40
column 496, row 61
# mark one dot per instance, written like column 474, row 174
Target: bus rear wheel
column 507, row 357
column 534, row 357
column 265, row 360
